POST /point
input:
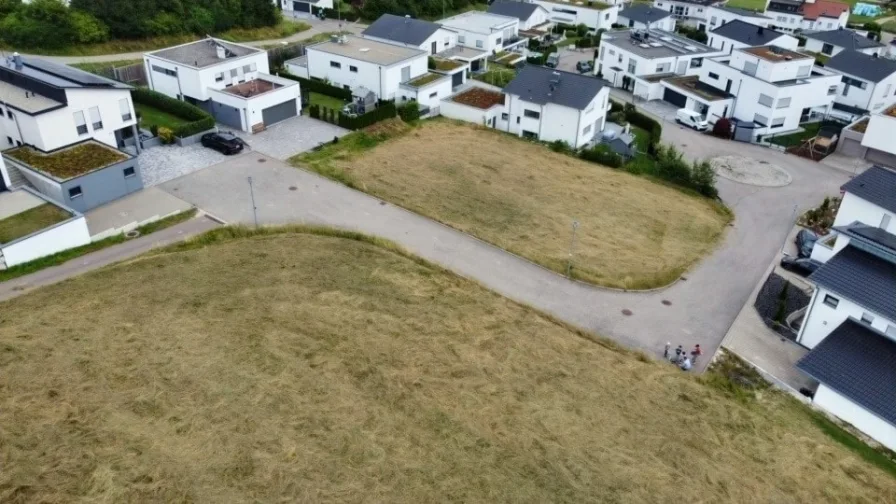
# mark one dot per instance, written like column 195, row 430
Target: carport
column 692, row 94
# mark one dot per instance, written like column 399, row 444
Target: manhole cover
column 382, row 203
column 626, row 312
column 667, row 302
column 293, row 188
column 262, row 160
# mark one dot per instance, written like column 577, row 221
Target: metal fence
column 134, row 75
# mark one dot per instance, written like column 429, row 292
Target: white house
column 792, row 15
column 549, row 105
column 868, row 81
column 831, row 42
column 850, row 324
column 718, row 15
column 48, row 106
column 878, row 138
column 307, row 7
column 689, row 12
column 230, row 81
column 353, row 62
column 637, row 60
column 738, row 34
column 646, row 17
column 409, row 32
column 485, row 32
column 769, row 86
column 531, row 16
column 594, row 15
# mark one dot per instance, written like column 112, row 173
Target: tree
column 88, row 29
column 8, row 6
column 703, row 178
column 40, row 23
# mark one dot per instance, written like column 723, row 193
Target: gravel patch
column 750, row 171
column 166, row 162
column 769, row 301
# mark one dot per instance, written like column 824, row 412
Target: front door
column 435, row 47
column 728, row 86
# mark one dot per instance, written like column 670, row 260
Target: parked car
column 584, row 67
column 692, row 119
column 553, row 60
column 805, row 242
column 225, row 143
column 799, row 265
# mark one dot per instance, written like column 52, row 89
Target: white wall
column 323, row 4
column 430, row 95
column 666, row 24
column 688, row 10
column 481, row 41
column 783, row 21
column 69, row 234
column 557, row 122
column 875, row 427
column 461, row 112
column 610, row 54
column 194, row 82
column 581, row 14
column 251, row 109
column 875, row 97
column 717, row 17
column 825, row 23
column 382, row 80
column 540, row 16
column 817, row 46
column 444, row 39
column 854, row 208
column 879, row 134
column 821, row 319
column 728, row 45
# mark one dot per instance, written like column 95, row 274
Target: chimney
column 874, row 55
column 17, row 60
column 222, row 54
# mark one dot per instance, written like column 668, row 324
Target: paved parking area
column 133, row 210
column 280, row 141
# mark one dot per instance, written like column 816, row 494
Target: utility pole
column 572, row 244
column 254, row 208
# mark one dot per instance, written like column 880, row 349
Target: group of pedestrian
column 681, row 358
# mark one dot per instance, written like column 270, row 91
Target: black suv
column 225, row 143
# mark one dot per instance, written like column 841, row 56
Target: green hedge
column 409, row 112
column 383, row 111
column 200, row 120
column 323, row 88
column 645, row 122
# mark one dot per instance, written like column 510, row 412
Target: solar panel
column 68, row 73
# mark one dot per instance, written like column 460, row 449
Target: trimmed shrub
column 722, row 128
column 409, row 112
column 571, row 33
column 166, row 135
column 314, row 111
column 602, row 154
column 645, row 122
column 560, row 146
column 703, row 179
column 581, row 29
column 309, row 85
column 199, row 119
column 385, row 110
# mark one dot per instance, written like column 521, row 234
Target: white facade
column 483, row 31
column 771, row 93
column 251, row 109
column 785, row 21
column 441, row 40
column 177, row 79
column 298, row 6
column 51, row 130
column 872, row 96
column 862, row 419
column 429, row 95
column 575, row 13
column 550, row 122
column 354, row 72
column 482, row 117
column 539, row 17
column 666, row 24
column 618, row 51
column 879, row 136
column 822, row 317
column 825, row 22
column 854, row 208
column 728, row 44
column 818, row 46
column 69, row 234
column 685, row 11
column 716, row 17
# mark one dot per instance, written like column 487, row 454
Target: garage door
column 278, row 113
column 457, row 79
column 851, row 147
column 226, row 115
column 301, row 7
column 675, row 98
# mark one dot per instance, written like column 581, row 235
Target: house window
column 433, row 95
column 335, row 64
column 246, row 69
column 766, row 100
column 479, row 44
column 531, row 114
column 777, row 122
column 353, row 68
column 804, row 71
column 620, row 58
column 460, row 39
column 783, row 103
column 129, row 172
column 219, row 76
column 233, row 72
column 612, row 52
column 831, row 301
column 750, row 67
column 827, row 49
column 586, row 130
column 832, row 90
column 9, row 113
column 80, row 123
column 696, row 62
column 632, row 66
column 9, row 140
column 165, row 71
column 504, row 116
column 125, row 108
column 884, row 221
column 517, row 119
column 713, row 75
column 74, row 192
column 760, row 120
column 530, row 135
column 95, row 118
column 499, row 41
column 867, row 318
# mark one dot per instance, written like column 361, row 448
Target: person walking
column 697, row 352
column 666, row 351
column 686, row 364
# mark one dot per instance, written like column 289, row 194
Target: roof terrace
column 68, row 162
column 775, row 54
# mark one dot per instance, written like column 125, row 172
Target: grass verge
column 31, row 220
column 99, row 66
column 520, row 196
column 151, row 116
column 794, row 139
column 73, row 253
column 384, row 379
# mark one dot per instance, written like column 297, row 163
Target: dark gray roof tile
column 401, row 29
column 747, row 33
column 858, row 363
column 520, row 10
column 875, row 185
column 642, row 13
column 538, row 84
column 863, row 66
column 865, row 279
column 844, row 38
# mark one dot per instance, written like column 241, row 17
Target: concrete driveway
column 698, row 309
column 292, row 136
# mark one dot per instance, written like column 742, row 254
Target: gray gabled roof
column 747, row 33
column 538, row 84
column 859, row 363
column 844, row 38
column 642, row 13
column 865, row 279
column 871, row 239
column 405, row 30
column 863, row 66
column 875, row 185
column 741, row 12
column 520, row 10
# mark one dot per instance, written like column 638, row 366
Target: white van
column 691, row 119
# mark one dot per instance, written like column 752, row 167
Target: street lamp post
column 254, row 208
column 572, row 244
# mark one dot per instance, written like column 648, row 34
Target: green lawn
column 94, row 67
column 496, row 75
column 756, row 5
column 889, row 26
column 569, row 41
column 325, row 101
column 794, row 139
column 30, row 221
column 150, row 116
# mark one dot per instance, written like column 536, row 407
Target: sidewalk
column 104, row 257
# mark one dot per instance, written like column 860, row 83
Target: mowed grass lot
column 150, row 116
column 633, row 233
column 30, row 221
column 325, row 369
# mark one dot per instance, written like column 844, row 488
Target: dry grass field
column 296, row 367
column 633, row 233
